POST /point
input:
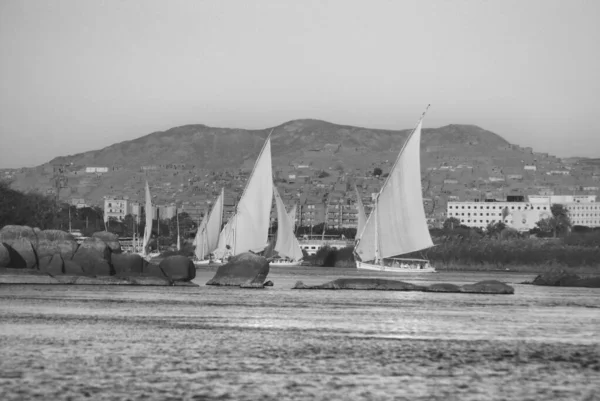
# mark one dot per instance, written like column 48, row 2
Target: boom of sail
column 397, row 223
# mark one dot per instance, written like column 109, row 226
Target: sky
column 79, row 75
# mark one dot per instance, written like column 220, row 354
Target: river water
column 205, row 343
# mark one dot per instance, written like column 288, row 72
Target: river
column 205, row 343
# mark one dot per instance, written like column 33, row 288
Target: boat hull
column 394, row 269
column 285, row 263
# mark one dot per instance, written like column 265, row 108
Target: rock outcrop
column 178, row 268
column 482, row 287
column 128, row 264
column 4, row 256
column 564, row 278
column 51, row 242
column 52, row 265
column 361, row 284
column 111, row 239
column 93, row 255
column 246, row 270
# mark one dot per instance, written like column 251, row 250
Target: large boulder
column 443, row 287
column 554, row 277
column 488, row 287
column 21, row 253
column 51, row 242
column 94, row 256
column 152, row 270
column 590, row 282
column 178, row 268
column 128, row 264
column 9, row 233
column 243, row 270
column 111, row 239
column 4, row 256
column 362, row 284
column 53, row 265
column 72, row 268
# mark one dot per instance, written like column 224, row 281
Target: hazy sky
column 79, row 75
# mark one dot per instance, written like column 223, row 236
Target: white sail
column 178, row 236
column 287, row 245
column 199, row 240
column 362, row 217
column 248, row 229
column 207, row 237
column 292, row 215
column 148, row 228
column 397, row 224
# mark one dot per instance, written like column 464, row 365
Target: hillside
column 190, row 163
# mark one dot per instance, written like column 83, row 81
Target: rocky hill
column 191, row 162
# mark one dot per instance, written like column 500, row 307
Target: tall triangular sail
column 292, row 215
column 207, row 237
column 397, row 223
column 148, row 228
column 248, row 229
column 287, row 245
column 362, row 217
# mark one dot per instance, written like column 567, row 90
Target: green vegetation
column 42, row 211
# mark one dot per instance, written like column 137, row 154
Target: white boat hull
column 283, row 263
column 394, row 269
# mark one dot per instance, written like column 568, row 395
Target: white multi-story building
column 523, row 216
column 117, row 208
column 520, row 215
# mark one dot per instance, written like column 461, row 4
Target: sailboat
column 286, row 245
column 362, row 217
column 248, row 229
column 207, row 236
column 397, row 223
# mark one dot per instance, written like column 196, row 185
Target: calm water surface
column 94, row 342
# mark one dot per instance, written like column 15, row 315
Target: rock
column 178, row 268
column 24, row 272
column 443, row 287
column 51, row 242
column 554, row 277
column 148, row 280
column 94, row 256
column 53, row 265
column 128, row 264
column 488, row 287
column 27, row 279
column 4, row 256
column 22, row 254
column 72, row 268
column 10, row 233
column 185, row 284
column 591, row 282
column 268, row 284
column 152, row 270
column 246, row 269
column 102, row 280
column 111, row 239
column 362, row 284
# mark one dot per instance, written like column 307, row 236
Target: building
column 480, row 214
column 117, row 208
column 584, row 214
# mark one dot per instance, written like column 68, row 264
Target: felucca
column 397, row 223
column 248, row 228
column 287, row 245
column 207, row 236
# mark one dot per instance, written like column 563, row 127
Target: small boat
column 247, row 229
column 286, row 245
column 207, row 236
column 397, row 223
